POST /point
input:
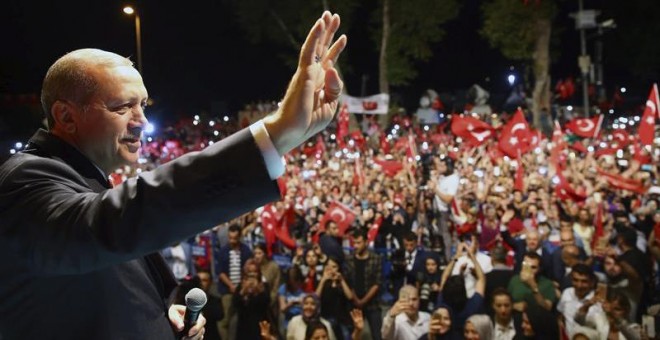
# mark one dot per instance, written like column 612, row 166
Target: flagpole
column 600, row 122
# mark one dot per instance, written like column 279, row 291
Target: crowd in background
column 409, row 230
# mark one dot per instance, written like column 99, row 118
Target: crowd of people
column 441, row 240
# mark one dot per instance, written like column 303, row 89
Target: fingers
column 308, row 51
column 198, row 329
column 332, row 25
column 334, row 51
column 333, row 86
column 175, row 314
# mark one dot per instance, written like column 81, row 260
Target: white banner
column 376, row 104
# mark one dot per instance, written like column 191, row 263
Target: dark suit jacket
column 75, row 253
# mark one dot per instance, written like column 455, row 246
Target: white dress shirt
column 505, row 332
column 402, row 328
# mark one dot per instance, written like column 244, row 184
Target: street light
column 584, row 19
column 138, row 39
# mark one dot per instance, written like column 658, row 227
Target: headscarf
column 316, row 317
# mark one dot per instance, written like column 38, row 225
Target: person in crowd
column 336, row 296
column 454, row 292
column 180, row 260
column 570, row 256
column 428, row 283
column 445, row 188
column 506, row 321
column 212, row 310
column 478, row 327
column 364, row 272
column 66, row 228
column 530, row 243
column 611, row 321
column 311, row 314
column 270, row 272
column 530, row 287
column 620, row 275
column 290, row 295
column 539, row 324
column 331, row 242
column 230, row 263
column 501, row 274
column 566, row 237
column 404, row 321
column 581, row 290
column 312, row 270
column 584, row 229
column 415, row 257
column 251, row 302
column 440, row 326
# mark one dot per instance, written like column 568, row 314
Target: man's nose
column 139, row 120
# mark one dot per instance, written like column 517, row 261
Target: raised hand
column 358, row 319
column 312, row 97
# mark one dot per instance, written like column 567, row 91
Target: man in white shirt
column 404, row 321
column 445, row 189
column 583, row 280
column 502, row 305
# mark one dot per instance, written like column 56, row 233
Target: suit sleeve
column 58, row 226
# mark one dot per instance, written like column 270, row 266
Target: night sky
column 195, row 55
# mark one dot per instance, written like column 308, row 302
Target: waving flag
column 516, row 137
column 585, row 127
column 473, row 130
column 623, row 183
column 340, row 214
column 646, row 129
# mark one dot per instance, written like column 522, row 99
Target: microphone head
column 195, row 299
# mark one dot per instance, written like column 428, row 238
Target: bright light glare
column 129, row 10
column 149, row 129
column 511, row 79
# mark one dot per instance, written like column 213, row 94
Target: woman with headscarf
column 440, row 326
column 311, row 312
column 478, row 327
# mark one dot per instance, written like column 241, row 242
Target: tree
column 407, row 31
column 521, row 30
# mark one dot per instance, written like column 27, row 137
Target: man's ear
column 64, row 116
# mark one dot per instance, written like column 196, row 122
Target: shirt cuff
column 274, row 162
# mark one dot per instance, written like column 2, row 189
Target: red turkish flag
column 340, row 214
column 646, row 129
column 516, row 137
column 585, row 127
column 269, row 221
column 621, row 138
column 577, row 146
column 473, row 130
column 623, row 183
column 384, row 144
column 342, row 126
column 565, row 192
column 390, row 168
column 519, row 183
column 558, row 145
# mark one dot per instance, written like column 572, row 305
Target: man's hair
column 498, row 292
column 406, row 289
column 583, row 269
column 360, row 233
column 534, row 256
column 410, row 236
column 69, row 78
column 628, row 236
column 234, row 228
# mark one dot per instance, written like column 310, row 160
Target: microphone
column 195, row 301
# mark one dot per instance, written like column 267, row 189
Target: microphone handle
column 189, row 320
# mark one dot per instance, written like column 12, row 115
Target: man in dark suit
column 80, row 257
column 530, row 242
column 501, row 274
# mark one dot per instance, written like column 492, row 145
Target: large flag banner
column 623, row 183
column 646, row 129
column 376, row 104
column 585, row 127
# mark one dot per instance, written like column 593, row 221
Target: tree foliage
column 511, row 25
column 415, row 25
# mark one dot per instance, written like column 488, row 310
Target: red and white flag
column 340, row 214
column 516, row 137
column 472, row 130
column 585, row 127
column 622, row 183
column 620, row 138
column 646, row 129
column 342, row 126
